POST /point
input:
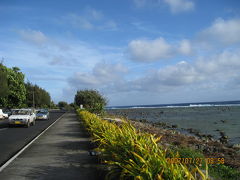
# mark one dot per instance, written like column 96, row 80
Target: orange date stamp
column 197, row 161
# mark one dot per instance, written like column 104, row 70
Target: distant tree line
column 15, row 93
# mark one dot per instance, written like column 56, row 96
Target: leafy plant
column 133, row 154
column 91, row 100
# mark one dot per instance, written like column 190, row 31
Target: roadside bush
column 133, row 154
column 91, row 100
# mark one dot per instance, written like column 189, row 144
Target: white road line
column 3, row 129
column 25, row 147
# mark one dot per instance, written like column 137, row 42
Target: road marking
column 3, row 129
column 25, row 147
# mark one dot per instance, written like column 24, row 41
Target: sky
column 134, row 52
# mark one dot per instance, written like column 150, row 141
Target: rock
column 236, row 146
column 224, row 140
column 222, row 133
column 174, row 126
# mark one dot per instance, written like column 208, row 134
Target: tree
column 62, row 104
column 13, row 94
column 37, row 96
column 91, row 100
column 3, row 82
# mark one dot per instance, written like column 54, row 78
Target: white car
column 24, row 117
column 3, row 115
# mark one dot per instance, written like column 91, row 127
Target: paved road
column 13, row 139
column 61, row 153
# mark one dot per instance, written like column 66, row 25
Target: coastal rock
column 174, row 126
column 236, row 146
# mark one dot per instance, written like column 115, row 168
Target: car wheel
column 28, row 124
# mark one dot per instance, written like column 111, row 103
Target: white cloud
column 90, row 19
column 214, row 71
column 102, row 76
column 149, row 50
column 157, row 49
column 222, row 31
column 185, row 47
column 33, row 36
column 177, row 6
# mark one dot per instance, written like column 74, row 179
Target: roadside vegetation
column 91, row 100
column 15, row 93
column 134, row 154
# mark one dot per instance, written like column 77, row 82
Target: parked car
column 42, row 114
column 3, row 115
column 25, row 117
column 7, row 111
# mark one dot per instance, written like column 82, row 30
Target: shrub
column 133, row 154
column 91, row 100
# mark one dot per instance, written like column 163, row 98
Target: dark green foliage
column 41, row 97
column 62, row 104
column 65, row 106
column 53, row 105
column 220, row 171
column 13, row 93
column 91, row 100
column 3, row 82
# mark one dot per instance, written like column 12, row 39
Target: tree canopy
column 91, row 100
column 37, row 96
column 15, row 93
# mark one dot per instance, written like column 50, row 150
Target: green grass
column 224, row 172
column 218, row 171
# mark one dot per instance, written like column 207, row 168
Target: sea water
column 207, row 118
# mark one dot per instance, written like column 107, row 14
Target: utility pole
column 33, row 99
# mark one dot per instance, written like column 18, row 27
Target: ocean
column 196, row 104
column 205, row 117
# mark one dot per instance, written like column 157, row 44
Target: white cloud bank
column 157, row 49
column 216, row 73
column 222, row 31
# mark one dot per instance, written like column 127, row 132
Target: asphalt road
column 15, row 138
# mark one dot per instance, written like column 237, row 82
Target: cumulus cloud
column 185, row 47
column 222, row 31
column 33, row 36
column 177, row 6
column 157, row 49
column 102, row 75
column 149, row 50
column 211, row 71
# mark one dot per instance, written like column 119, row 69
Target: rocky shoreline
column 211, row 148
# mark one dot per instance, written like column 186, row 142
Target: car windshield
column 21, row 112
column 42, row 112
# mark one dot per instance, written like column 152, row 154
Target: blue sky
column 132, row 51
